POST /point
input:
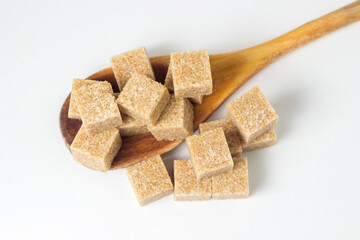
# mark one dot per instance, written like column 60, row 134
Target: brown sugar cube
column 97, row 107
column 170, row 86
column 191, row 74
column 143, row 98
column 96, row 151
column 266, row 140
column 231, row 133
column 209, row 153
column 78, row 83
column 132, row 126
column 124, row 65
column 175, row 122
column 150, row 180
column 252, row 114
column 234, row 184
column 187, row 187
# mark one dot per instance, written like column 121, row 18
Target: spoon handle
column 233, row 69
column 239, row 66
column 273, row 49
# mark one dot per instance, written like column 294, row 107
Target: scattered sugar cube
column 234, row 184
column 150, row 180
column 97, row 107
column 191, row 74
column 266, row 140
column 143, row 98
column 132, row 126
column 169, row 84
column 231, row 133
column 252, row 114
column 78, row 83
column 96, row 151
column 209, row 153
column 187, row 187
column 124, row 65
column 175, row 122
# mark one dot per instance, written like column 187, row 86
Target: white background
column 307, row 186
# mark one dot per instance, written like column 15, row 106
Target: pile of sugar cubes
column 215, row 169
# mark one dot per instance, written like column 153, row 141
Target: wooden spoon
column 229, row 71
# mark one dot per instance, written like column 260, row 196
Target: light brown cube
column 252, row 114
column 175, row 122
column 170, row 86
column 143, row 98
column 150, row 180
column 230, row 130
column 124, row 65
column 96, row 151
column 191, row 74
column 78, row 83
column 234, row 184
column 266, row 140
column 132, row 126
column 209, row 153
column 187, row 187
column 97, row 107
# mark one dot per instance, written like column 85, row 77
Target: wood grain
column 229, row 70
